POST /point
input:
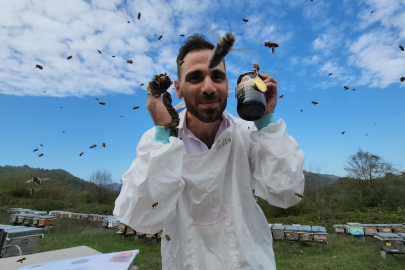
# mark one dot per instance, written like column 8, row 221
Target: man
column 200, row 184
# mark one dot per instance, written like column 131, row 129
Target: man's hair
column 193, row 43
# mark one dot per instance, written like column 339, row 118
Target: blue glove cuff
column 162, row 134
column 265, row 121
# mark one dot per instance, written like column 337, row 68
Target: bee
column 93, row 146
column 330, row 74
column 81, row 154
column 282, row 96
column 401, row 47
column 37, row 180
column 63, row 131
column 154, row 205
column 32, row 190
column 372, row 11
column 181, row 62
column 301, row 110
column 402, row 79
column 102, row 103
column 182, row 35
column 103, row 144
column 160, row 37
column 21, row 260
column 40, row 155
column 69, row 57
column 167, row 237
column 40, row 144
column 122, row 116
column 39, row 66
column 299, row 195
column 128, row 21
column 96, row 98
column 223, row 47
column 129, row 61
column 113, row 56
column 35, row 150
column 271, row 44
column 139, row 15
column 354, row 89
column 314, row 102
column 99, row 51
column 61, row 107
column 136, row 107
column 376, row 157
column 346, row 87
column 141, row 84
column 343, row 132
column 256, row 66
column 366, row 134
column 245, row 20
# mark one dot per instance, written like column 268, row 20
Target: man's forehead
column 197, row 60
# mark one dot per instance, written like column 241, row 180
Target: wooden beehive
column 398, row 228
column 13, row 219
column 369, row 229
column 319, row 234
column 339, row 228
column 291, row 232
column 305, row 233
column 28, row 239
column 44, row 221
column 355, row 229
column 385, row 228
column 277, row 231
column 391, row 242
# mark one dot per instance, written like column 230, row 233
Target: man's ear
column 179, row 94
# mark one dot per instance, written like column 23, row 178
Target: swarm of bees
column 346, row 87
column 69, row 57
column 245, row 20
column 160, row 37
column 129, row 61
column 36, row 180
column 314, row 102
column 271, row 44
column 401, row 47
column 39, row 67
column 158, row 86
column 154, row 205
column 223, row 47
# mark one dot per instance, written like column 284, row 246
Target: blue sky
column 359, row 48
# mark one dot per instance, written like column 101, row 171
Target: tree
column 102, row 182
column 366, row 166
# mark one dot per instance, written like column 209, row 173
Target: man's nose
column 208, row 86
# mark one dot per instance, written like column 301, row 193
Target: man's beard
column 206, row 115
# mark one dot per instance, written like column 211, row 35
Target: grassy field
column 341, row 252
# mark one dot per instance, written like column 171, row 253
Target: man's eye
column 217, row 77
column 193, row 78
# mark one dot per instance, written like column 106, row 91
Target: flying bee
column 35, row 150
column 366, row 134
column 128, row 21
column 271, row 44
column 69, row 57
column 376, row 157
column 81, row 154
column 256, row 66
column 39, row 66
column 141, row 84
column 282, row 96
column 129, row 61
column 96, row 98
column 301, row 110
column 181, row 62
column 354, row 89
column 223, row 47
column 102, row 103
column 160, row 37
column 299, row 195
column 330, row 74
column 167, row 237
column 139, row 15
column 245, row 20
column 21, row 260
column 343, row 132
column 346, row 87
column 182, row 35
column 40, row 155
column 154, row 205
column 401, row 47
column 99, row 51
column 103, row 144
column 136, row 107
column 314, row 102
column 372, row 11
column 40, row 144
column 32, row 190
column 113, row 56
column 402, row 79
column 63, row 131
column 37, row 180
column 93, row 146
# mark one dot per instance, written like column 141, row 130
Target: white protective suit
column 205, row 201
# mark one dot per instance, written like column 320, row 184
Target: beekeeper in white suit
column 200, row 184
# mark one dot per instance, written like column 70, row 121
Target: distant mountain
column 114, row 186
column 319, row 179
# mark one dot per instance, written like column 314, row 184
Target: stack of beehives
column 357, row 229
column 297, row 232
column 126, row 231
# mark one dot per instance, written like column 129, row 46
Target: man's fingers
column 266, row 78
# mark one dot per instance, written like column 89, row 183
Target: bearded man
column 201, row 182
